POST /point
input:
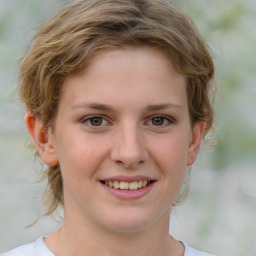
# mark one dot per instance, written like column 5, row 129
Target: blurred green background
column 220, row 214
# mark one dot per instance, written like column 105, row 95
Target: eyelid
column 170, row 120
column 87, row 119
column 164, row 116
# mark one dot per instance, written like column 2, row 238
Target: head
column 66, row 44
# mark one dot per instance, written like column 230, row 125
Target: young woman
column 117, row 100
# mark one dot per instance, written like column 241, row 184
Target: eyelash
column 89, row 119
column 167, row 120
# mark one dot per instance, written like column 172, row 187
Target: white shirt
column 38, row 248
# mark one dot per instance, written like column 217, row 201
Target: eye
column 95, row 121
column 161, row 121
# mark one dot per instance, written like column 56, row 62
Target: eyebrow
column 96, row 106
column 105, row 107
column 164, row 106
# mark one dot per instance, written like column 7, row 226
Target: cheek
column 173, row 151
column 171, row 158
column 80, row 156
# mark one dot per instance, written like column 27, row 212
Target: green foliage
column 229, row 28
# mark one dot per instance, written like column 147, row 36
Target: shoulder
column 189, row 251
column 27, row 249
column 37, row 248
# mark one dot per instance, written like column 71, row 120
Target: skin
column 142, row 127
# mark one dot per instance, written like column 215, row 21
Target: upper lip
column 124, row 178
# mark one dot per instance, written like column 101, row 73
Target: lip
column 128, row 178
column 126, row 194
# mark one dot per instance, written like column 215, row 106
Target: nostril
column 131, row 165
column 119, row 162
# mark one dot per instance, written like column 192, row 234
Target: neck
column 73, row 238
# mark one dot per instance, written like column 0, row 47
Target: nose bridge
column 130, row 148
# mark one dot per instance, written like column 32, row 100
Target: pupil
column 158, row 121
column 96, row 121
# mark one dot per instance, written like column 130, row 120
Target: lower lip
column 129, row 194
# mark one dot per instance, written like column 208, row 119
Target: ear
column 43, row 139
column 195, row 143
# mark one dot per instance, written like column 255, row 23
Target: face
column 123, row 139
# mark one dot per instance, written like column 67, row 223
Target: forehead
column 127, row 72
column 127, row 58
column 137, row 55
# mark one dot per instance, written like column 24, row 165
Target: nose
column 129, row 147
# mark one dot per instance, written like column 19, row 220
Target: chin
column 129, row 221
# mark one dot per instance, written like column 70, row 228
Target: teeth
column 133, row 185
column 116, row 184
column 127, row 185
column 124, row 185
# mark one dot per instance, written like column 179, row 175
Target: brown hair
column 65, row 44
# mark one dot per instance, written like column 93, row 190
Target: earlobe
column 194, row 146
column 43, row 139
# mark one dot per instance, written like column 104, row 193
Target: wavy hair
column 66, row 43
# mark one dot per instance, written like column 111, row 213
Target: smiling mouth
column 123, row 185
